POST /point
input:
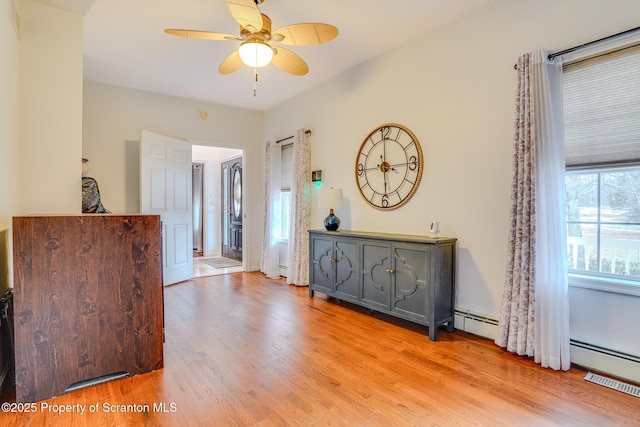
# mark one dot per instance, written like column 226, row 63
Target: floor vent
column 614, row 384
column 96, row 381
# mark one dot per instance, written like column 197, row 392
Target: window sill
column 605, row 284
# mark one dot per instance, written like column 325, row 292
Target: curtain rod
column 573, row 49
column 307, row 132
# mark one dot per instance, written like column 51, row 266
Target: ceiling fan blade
column 305, row 34
column 289, row 62
column 231, row 63
column 247, row 14
column 203, row 35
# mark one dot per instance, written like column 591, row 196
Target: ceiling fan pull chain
column 255, row 80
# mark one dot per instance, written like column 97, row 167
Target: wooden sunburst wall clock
column 389, row 166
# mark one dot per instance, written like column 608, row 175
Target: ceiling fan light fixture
column 255, row 53
column 256, row 37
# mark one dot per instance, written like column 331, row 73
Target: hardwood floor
column 244, row 350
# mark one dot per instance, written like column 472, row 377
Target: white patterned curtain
column 269, row 264
column 298, row 259
column 534, row 318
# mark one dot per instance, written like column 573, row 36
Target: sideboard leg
column 310, row 292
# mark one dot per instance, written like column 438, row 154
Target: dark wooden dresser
column 88, row 300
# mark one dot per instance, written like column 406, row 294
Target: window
column 283, row 220
column 601, row 97
column 603, row 222
column 282, row 230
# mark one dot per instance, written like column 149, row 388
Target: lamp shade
column 331, row 198
column 255, row 53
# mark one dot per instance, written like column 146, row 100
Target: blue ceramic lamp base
column 331, row 222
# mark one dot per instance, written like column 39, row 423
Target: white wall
column 113, row 119
column 454, row 88
column 40, row 116
column 9, row 79
column 50, row 166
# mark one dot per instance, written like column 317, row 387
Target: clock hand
column 385, row 182
column 383, row 166
column 384, row 148
column 388, row 167
column 413, row 164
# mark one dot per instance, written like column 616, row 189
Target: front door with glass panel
column 232, row 209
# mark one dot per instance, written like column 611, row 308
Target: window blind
column 286, row 164
column 601, row 106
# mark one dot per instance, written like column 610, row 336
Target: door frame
column 240, row 152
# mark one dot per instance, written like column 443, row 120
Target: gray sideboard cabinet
column 406, row 276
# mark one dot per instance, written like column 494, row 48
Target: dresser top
column 386, row 236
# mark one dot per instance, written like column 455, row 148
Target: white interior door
column 165, row 190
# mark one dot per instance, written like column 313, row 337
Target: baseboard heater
column 591, row 347
column 96, row 381
column 605, row 360
column 282, row 270
column 605, row 351
column 585, row 355
column 476, row 316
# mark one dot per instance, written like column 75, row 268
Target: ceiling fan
column 256, row 36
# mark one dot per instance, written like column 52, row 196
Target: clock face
column 389, row 166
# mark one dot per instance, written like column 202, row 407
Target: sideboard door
column 412, row 267
column 376, row 278
column 347, row 264
column 321, row 267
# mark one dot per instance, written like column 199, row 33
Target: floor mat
column 221, row 262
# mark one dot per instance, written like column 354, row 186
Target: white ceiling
column 124, row 43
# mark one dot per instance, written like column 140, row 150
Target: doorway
column 207, row 256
